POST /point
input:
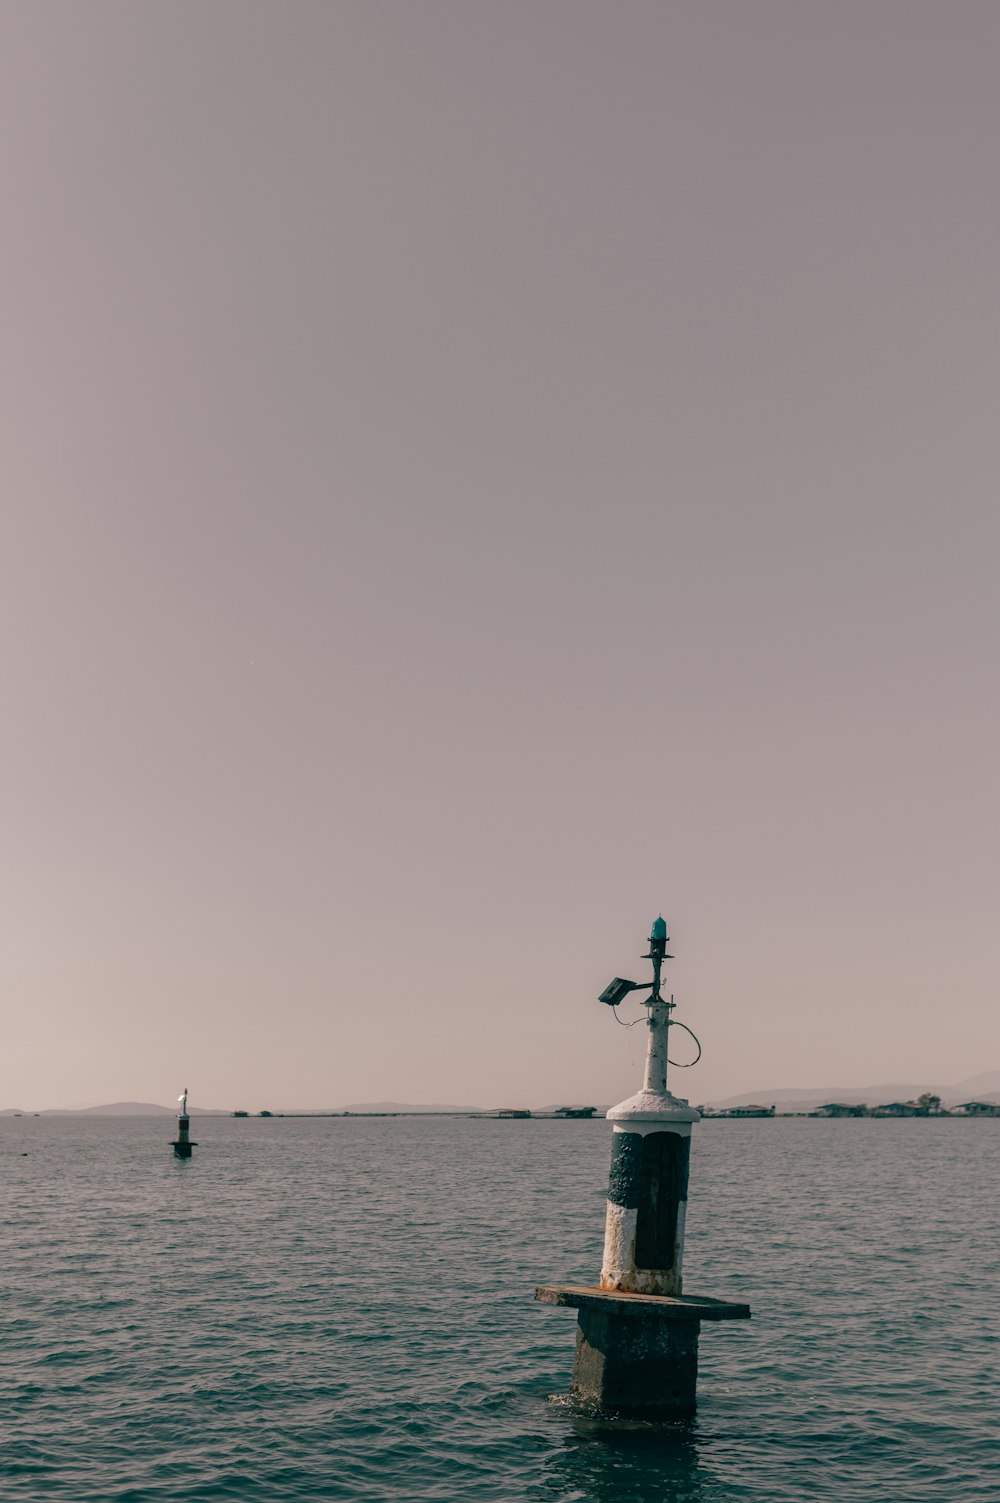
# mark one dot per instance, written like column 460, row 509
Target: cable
column 674, row 1023
column 676, row 1065
column 639, row 1019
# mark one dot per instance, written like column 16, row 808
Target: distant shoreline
column 494, row 1115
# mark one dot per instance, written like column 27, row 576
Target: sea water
column 342, row 1309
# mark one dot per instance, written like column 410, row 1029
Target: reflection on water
column 625, row 1461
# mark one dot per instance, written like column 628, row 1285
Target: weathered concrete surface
column 647, row 1368
column 651, row 1306
column 647, row 1196
column 652, row 1106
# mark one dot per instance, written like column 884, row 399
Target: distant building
column 748, row 1111
column 978, row 1109
column 576, row 1111
column 840, row 1109
column 899, row 1109
column 513, row 1111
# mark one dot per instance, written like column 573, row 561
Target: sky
column 475, row 477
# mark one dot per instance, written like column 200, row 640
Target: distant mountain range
column 116, row 1109
column 152, row 1109
column 984, row 1087
column 357, row 1108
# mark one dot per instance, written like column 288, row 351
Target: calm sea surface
column 342, row 1309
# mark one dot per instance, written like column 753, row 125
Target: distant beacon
column 182, row 1145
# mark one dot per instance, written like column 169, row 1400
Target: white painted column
column 652, row 1111
column 655, row 1079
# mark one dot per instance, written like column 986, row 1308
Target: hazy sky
column 476, row 476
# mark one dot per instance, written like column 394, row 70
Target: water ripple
column 341, row 1310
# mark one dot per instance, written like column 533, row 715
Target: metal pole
column 655, row 1079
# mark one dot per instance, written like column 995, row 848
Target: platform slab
column 651, row 1306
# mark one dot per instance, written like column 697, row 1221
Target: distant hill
column 113, row 1109
column 153, row 1109
column 977, row 1084
column 117, row 1109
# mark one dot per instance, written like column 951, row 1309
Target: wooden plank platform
column 657, row 1306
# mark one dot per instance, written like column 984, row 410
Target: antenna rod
column 655, row 1079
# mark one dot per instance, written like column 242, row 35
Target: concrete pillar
column 637, row 1333
column 637, row 1354
column 631, row 1363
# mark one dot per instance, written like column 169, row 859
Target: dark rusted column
column 639, row 1367
column 637, row 1354
column 182, row 1143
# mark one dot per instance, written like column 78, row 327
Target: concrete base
column 636, row 1354
column 645, row 1368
